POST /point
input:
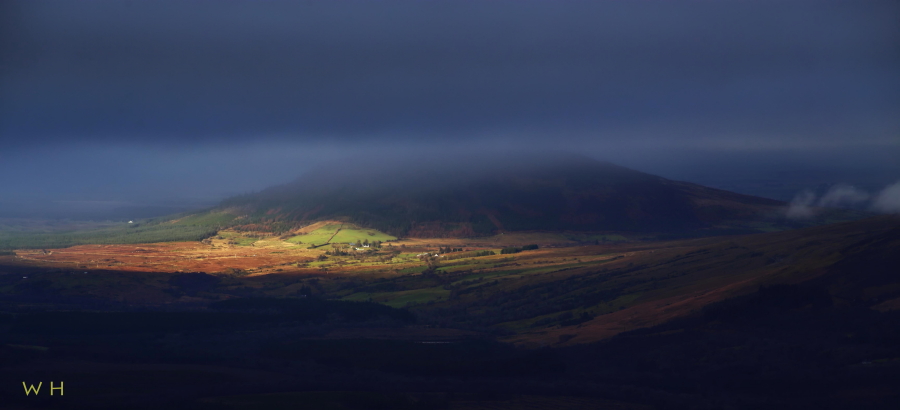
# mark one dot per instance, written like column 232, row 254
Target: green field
column 346, row 233
column 148, row 233
column 238, row 239
column 354, row 234
column 191, row 228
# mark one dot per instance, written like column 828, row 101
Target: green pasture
column 414, row 269
column 190, row 228
column 239, row 239
column 354, row 234
column 349, row 233
column 318, row 236
column 125, row 233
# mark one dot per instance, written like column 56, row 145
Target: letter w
column 29, row 389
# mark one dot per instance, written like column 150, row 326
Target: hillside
column 842, row 265
column 475, row 195
column 805, row 318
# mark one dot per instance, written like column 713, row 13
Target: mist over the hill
column 431, row 169
column 125, row 182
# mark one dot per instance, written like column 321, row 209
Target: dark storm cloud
column 735, row 72
column 181, row 103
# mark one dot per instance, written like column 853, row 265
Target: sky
column 182, row 103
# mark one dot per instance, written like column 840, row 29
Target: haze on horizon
column 178, row 104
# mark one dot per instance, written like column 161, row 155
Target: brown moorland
column 563, row 293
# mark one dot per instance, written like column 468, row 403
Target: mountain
column 452, row 195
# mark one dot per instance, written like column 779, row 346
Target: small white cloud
column 841, row 195
column 801, row 205
column 888, row 200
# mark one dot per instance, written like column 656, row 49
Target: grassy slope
column 238, row 239
column 340, row 233
column 357, row 234
column 189, row 228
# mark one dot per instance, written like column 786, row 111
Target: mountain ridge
column 475, row 195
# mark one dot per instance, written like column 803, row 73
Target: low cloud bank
column 888, row 200
column 801, row 206
column 805, row 204
column 843, row 195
